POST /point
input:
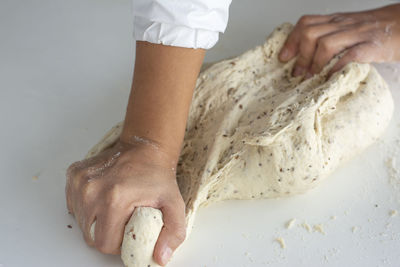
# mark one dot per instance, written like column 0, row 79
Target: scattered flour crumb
column 354, row 229
column 393, row 213
column 281, row 242
column 333, row 217
column 34, row 178
column 290, row 223
column 393, row 171
column 391, row 164
column 326, row 258
column 306, row 226
column 319, row 228
column 247, row 254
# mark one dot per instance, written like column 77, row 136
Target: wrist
column 145, row 149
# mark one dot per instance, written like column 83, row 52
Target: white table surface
column 65, row 74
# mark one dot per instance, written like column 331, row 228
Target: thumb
column 173, row 232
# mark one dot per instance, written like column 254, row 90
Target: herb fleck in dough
column 256, row 132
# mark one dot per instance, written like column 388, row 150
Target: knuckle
column 175, row 200
column 180, row 204
column 325, row 45
column 74, row 174
column 114, row 195
column 309, row 34
column 306, row 43
column 180, row 234
column 87, row 192
column 74, row 168
column 304, row 20
column 75, row 182
column 75, row 178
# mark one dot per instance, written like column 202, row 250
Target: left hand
column 368, row 36
column 108, row 187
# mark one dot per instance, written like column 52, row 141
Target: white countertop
column 65, row 74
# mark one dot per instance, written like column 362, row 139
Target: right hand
column 108, row 187
column 365, row 37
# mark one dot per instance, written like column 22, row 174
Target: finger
column 68, row 198
column 307, row 20
column 333, row 44
column 361, row 53
column 290, row 48
column 77, row 211
column 87, row 198
column 172, row 234
column 73, row 168
column 77, row 179
column 83, row 200
column 86, row 232
column 88, row 167
column 308, row 45
column 109, row 231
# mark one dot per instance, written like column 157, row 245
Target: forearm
column 162, row 89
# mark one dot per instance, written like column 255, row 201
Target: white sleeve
column 184, row 23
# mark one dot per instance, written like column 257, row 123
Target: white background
column 65, row 74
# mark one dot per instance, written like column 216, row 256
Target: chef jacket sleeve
column 183, row 23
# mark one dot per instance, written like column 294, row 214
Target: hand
column 108, row 187
column 369, row 36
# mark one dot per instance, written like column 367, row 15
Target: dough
column 256, row 132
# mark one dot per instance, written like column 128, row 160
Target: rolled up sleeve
column 184, row 23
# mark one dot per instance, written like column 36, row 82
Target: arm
column 158, row 107
column 367, row 36
column 161, row 93
column 140, row 169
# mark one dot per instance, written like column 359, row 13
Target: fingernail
column 166, row 255
column 298, row 71
column 284, row 54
